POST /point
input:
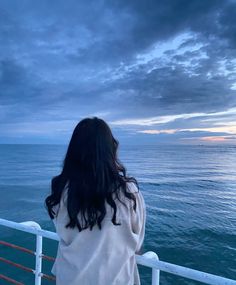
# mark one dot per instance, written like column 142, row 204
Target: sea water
column 189, row 190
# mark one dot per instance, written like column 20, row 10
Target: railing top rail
column 29, row 229
column 34, row 228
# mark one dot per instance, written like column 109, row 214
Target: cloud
column 160, row 120
column 135, row 64
column 157, row 132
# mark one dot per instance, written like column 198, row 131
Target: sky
column 156, row 71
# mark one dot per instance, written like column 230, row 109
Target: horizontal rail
column 25, row 268
column 49, row 258
column 185, row 272
column 152, row 262
column 29, row 229
column 2, row 242
column 23, row 249
column 48, row 277
column 10, row 280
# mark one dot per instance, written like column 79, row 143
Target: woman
column 98, row 211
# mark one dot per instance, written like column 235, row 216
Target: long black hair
column 92, row 175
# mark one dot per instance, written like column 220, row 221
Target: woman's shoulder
column 132, row 187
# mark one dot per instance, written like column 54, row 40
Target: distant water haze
column 190, row 193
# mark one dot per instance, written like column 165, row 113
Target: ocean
column 189, row 190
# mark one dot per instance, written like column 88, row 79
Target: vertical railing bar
column 155, row 272
column 38, row 251
column 38, row 259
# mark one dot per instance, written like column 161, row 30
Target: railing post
column 38, row 260
column 155, row 272
column 38, row 252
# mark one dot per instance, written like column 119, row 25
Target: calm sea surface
column 190, row 193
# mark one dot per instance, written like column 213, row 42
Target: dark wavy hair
column 92, row 174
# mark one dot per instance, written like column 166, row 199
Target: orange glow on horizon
column 214, row 139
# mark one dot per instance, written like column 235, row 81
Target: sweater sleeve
column 138, row 220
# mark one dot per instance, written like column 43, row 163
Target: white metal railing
column 149, row 259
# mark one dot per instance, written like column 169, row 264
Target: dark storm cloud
column 131, row 27
column 65, row 60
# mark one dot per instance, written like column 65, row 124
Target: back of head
column 92, row 175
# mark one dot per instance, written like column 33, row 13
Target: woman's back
column 104, row 256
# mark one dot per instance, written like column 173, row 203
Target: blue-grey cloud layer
column 63, row 60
